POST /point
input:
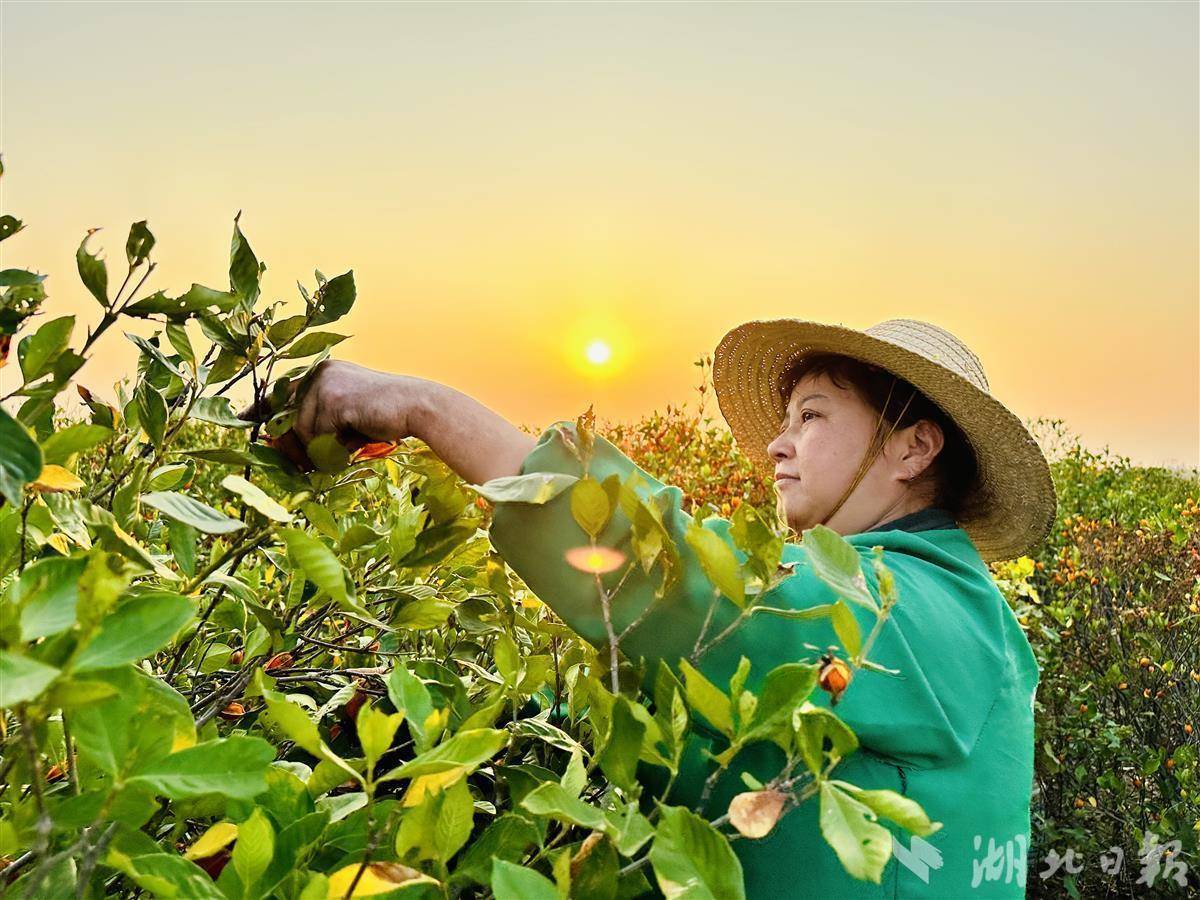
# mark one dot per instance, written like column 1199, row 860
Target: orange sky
column 512, row 182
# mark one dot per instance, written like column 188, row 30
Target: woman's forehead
column 819, row 386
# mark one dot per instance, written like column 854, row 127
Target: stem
column 712, row 608
column 72, row 774
column 606, row 606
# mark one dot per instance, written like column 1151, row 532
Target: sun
column 598, row 352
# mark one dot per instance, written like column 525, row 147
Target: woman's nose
column 777, row 449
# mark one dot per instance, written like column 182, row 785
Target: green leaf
column 192, row 512
column 692, row 859
column 136, row 629
column 849, row 827
column 513, row 882
column 410, row 695
column 328, row 454
column 706, row 698
column 467, row 748
column 219, row 411
column 38, row 351
column 253, row 851
column 320, row 566
column 820, row 611
column 9, row 226
column 197, row 299
column 139, row 244
column 784, row 690
column 151, row 412
column 285, row 329
column 813, row 724
column 64, row 443
column 632, row 829
column 155, row 353
column 48, row 591
column 166, row 875
column 590, row 505
column 233, row 767
column 375, row 732
column 312, row 343
column 178, row 338
column 552, row 800
column 718, row 561
column 836, row 562
column 102, row 729
column 619, row 758
column 419, row 615
column 846, row 627
column 22, row 679
column 245, row 271
column 904, row 811
column 537, row 487
column 505, row 839
column 334, row 299
column 256, row 498
column 292, row 720
column 455, row 818
column 164, row 478
column 92, row 270
column 20, row 458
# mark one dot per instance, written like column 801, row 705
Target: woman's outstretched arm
column 477, row 443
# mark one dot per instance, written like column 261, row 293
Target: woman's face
column 825, row 432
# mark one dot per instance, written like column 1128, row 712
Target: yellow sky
column 511, row 182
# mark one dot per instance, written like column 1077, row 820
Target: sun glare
column 598, row 352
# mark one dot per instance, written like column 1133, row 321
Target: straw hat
column 1011, row 507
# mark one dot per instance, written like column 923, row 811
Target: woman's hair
column 951, row 475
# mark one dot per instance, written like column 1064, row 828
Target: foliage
column 222, row 676
column 1111, row 606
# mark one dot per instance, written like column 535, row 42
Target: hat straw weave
column 1011, row 506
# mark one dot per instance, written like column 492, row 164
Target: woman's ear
column 923, row 442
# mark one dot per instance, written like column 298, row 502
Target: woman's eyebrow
column 806, row 399
column 787, row 409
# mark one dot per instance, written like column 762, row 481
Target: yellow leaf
column 378, row 878
column 58, row 541
column 436, row 721
column 424, row 785
column 755, row 813
column 216, row 838
column 55, row 478
column 185, row 737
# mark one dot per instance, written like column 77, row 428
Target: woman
column 890, row 437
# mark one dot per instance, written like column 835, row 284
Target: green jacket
column 954, row 731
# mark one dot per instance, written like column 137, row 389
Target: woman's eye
column 807, row 412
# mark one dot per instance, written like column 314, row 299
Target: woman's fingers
column 306, row 415
column 262, row 409
column 255, row 411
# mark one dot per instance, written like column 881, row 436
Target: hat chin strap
column 873, row 449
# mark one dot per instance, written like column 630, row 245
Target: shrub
column 222, row 677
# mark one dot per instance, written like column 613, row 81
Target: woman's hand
column 359, row 405
column 355, row 402
column 346, row 399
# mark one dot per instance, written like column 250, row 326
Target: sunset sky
column 519, row 187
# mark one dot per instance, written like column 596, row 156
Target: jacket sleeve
column 929, row 715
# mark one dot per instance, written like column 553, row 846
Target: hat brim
column 1012, row 506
